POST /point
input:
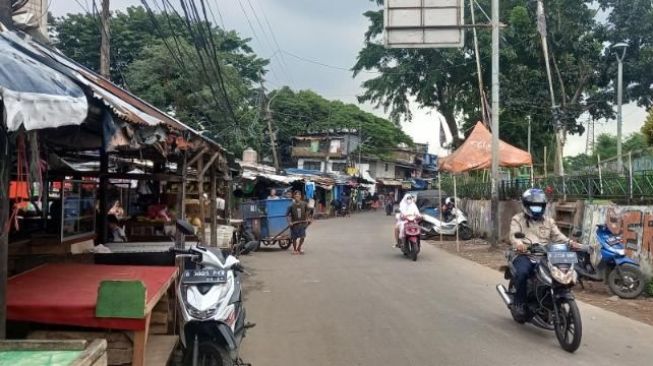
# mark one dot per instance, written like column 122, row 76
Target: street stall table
column 67, row 294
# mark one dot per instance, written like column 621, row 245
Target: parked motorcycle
column 622, row 274
column 411, row 244
column 431, row 225
column 212, row 322
column 550, row 302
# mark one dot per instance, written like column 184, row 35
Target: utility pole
column 541, row 27
column 622, row 46
column 481, row 89
column 105, row 49
column 268, row 118
column 495, row 124
column 360, row 146
column 529, row 135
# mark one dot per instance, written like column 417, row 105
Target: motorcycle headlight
column 188, row 298
column 566, row 276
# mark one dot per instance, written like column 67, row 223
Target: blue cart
column 267, row 220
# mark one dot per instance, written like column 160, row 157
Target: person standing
column 298, row 219
column 273, row 195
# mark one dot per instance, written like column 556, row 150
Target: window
column 386, row 167
column 338, row 167
column 313, row 165
column 315, row 146
column 334, row 147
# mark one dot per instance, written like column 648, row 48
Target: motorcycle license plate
column 562, row 257
column 204, row 276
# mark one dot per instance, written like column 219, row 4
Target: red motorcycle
column 411, row 244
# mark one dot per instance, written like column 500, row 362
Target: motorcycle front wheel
column 628, row 284
column 209, row 354
column 568, row 326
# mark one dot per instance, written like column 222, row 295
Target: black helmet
column 534, row 203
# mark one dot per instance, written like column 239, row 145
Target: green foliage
column 447, row 78
column 296, row 113
column 169, row 73
column 605, row 148
column 647, row 129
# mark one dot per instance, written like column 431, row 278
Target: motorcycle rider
column 447, row 209
column 407, row 207
column 538, row 229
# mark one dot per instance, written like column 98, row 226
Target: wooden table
column 66, row 294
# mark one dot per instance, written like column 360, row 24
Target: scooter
column 621, row 273
column 431, row 225
column 411, row 244
column 212, row 322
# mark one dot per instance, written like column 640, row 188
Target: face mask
column 536, row 209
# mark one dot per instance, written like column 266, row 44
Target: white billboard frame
column 418, row 33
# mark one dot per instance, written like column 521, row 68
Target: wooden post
column 104, row 182
column 181, row 197
column 214, row 206
column 6, row 153
column 455, row 195
column 200, row 192
column 440, row 202
column 105, row 49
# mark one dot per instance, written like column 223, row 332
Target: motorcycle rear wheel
column 209, row 354
column 465, row 232
column 630, row 288
column 568, row 325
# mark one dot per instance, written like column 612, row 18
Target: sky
column 318, row 41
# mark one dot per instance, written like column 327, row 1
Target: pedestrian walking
column 298, row 219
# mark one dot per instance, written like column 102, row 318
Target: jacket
column 536, row 231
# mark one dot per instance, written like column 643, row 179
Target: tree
column 632, row 22
column 208, row 82
column 647, row 129
column 296, row 113
column 446, row 78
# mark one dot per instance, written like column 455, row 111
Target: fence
column 636, row 187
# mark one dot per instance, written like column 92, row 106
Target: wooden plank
column 159, row 349
column 94, row 355
column 42, row 345
column 140, row 344
column 208, row 165
column 197, row 157
column 159, row 294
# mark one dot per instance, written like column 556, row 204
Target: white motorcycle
column 432, row 226
column 212, row 323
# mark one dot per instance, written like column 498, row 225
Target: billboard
column 424, row 23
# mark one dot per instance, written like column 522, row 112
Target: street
column 354, row 300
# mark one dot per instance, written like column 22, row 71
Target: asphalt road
column 354, row 300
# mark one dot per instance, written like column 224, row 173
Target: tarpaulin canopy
column 34, row 95
column 476, row 154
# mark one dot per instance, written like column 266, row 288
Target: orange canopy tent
column 476, row 154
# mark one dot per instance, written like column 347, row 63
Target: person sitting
column 407, row 207
column 116, row 234
column 447, row 209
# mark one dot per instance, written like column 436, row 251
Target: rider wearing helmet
column 447, row 208
column 537, row 229
column 407, row 207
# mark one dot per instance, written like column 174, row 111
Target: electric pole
column 268, row 118
column 495, row 125
column 105, row 50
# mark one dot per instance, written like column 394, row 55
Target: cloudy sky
column 318, row 41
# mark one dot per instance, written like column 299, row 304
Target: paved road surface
column 354, row 300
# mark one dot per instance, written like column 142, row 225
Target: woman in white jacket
column 407, row 207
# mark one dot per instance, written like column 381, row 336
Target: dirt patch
column 595, row 293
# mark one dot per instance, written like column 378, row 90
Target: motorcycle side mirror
column 185, row 227
column 577, row 234
column 520, row 236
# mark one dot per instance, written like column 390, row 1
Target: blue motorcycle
column 621, row 273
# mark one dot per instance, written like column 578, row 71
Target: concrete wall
column 478, row 215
